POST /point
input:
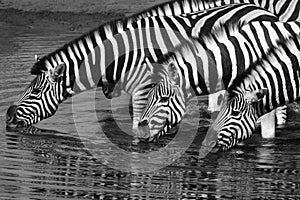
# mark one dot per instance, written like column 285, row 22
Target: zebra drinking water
column 271, row 82
column 112, row 51
column 202, row 68
column 284, row 10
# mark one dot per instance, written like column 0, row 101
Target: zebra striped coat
column 114, row 51
column 285, row 10
column 271, row 82
column 205, row 68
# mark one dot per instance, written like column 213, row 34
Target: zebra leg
column 268, row 125
column 281, row 115
column 271, row 119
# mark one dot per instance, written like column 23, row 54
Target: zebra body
column 269, row 83
column 205, row 68
column 117, row 51
column 136, row 81
column 287, row 10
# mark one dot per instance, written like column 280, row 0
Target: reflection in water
column 52, row 162
column 56, row 164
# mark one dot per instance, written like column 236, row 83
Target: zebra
column 285, row 11
column 271, row 82
column 85, row 62
column 204, row 68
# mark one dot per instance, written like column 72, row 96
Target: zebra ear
column 58, row 71
column 173, row 73
column 256, row 95
column 36, row 58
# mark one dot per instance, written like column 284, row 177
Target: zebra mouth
column 166, row 129
column 11, row 118
column 148, row 134
column 15, row 123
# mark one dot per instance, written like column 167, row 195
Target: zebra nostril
column 143, row 123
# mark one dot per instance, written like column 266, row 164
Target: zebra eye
column 164, row 99
column 153, row 85
column 235, row 113
column 36, row 91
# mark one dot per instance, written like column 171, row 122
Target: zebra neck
column 278, row 72
column 119, row 52
column 86, row 57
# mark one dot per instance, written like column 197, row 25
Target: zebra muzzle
column 143, row 130
column 11, row 117
column 143, row 123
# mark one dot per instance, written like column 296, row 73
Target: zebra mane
column 185, row 51
column 266, row 58
column 112, row 27
column 105, row 30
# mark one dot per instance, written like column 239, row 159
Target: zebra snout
column 143, row 123
column 143, row 130
column 11, row 112
column 11, row 117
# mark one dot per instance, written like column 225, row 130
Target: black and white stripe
column 271, row 82
column 285, row 10
column 41, row 98
column 154, row 43
column 120, row 51
column 205, row 68
column 169, row 109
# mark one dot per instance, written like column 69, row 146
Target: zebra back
column 287, row 10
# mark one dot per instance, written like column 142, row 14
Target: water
column 54, row 161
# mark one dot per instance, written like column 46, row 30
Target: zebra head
column 165, row 106
column 40, row 99
column 237, row 117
